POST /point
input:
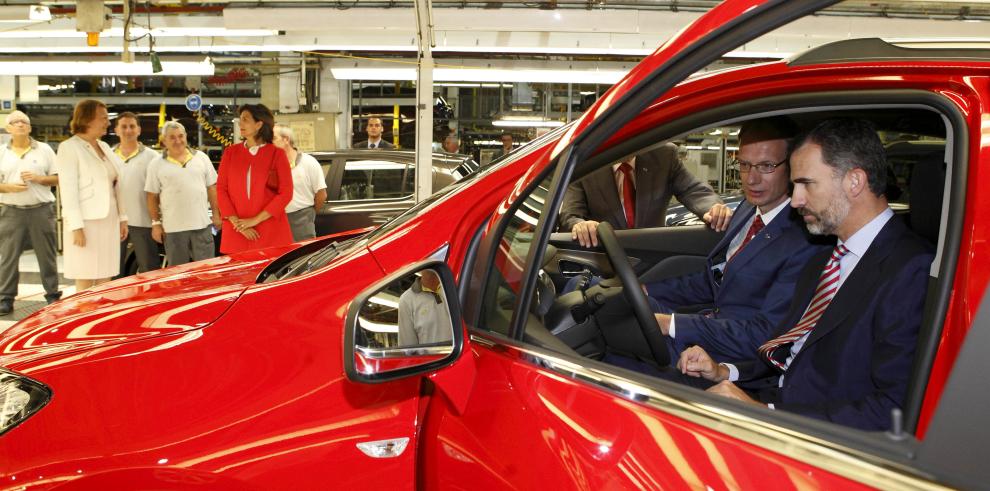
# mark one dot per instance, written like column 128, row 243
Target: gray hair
column 171, row 126
column 285, row 131
column 16, row 116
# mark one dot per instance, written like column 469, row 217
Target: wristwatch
column 156, row 222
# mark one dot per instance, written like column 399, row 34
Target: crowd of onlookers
column 265, row 193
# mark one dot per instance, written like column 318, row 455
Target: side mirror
column 408, row 324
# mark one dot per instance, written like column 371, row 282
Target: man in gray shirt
column 182, row 189
column 423, row 314
column 136, row 159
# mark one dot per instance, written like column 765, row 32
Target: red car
column 348, row 365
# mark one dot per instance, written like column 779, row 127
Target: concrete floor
column 30, row 294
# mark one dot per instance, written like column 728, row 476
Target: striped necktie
column 828, row 284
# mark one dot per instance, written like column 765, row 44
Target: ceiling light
column 104, row 68
column 527, row 123
column 576, row 76
column 24, row 13
column 158, row 32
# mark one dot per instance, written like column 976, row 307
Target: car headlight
column 20, row 397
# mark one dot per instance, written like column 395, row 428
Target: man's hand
column 695, row 362
column 586, row 233
column 217, row 221
column 123, row 231
column 730, row 390
column 664, row 321
column 157, row 233
column 13, row 188
column 718, row 217
column 28, row 176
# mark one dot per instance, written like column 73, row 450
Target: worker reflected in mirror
column 424, row 317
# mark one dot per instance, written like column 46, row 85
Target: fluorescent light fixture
column 104, row 68
column 527, row 123
column 576, row 76
column 158, row 32
column 473, row 85
column 25, row 13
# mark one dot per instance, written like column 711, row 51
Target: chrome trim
column 441, row 253
column 826, row 455
column 386, row 353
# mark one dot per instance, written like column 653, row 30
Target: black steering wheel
column 634, row 294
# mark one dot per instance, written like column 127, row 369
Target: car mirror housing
column 407, row 324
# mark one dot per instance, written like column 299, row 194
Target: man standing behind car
column 423, row 316
column 374, row 141
column 27, row 209
column 635, row 193
column 309, row 187
column 181, row 188
column 136, row 159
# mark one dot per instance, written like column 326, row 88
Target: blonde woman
column 93, row 215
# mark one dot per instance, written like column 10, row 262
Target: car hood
column 157, row 303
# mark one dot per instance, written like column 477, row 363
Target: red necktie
column 628, row 194
column 828, row 284
column 753, row 230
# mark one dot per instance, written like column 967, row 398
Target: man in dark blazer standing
column 375, row 140
column 656, row 176
column 752, row 271
column 844, row 351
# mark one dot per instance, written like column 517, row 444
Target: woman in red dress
column 254, row 185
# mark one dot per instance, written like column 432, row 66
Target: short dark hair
column 83, row 114
column 848, row 144
column 260, row 112
column 127, row 114
column 772, row 128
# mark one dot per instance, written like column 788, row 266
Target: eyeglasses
column 762, row 167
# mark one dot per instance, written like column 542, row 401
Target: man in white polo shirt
column 27, row 209
column 181, row 189
column 137, row 158
column 309, row 186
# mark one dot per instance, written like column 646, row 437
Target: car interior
column 919, row 144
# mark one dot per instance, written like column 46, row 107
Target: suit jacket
column 84, row 183
column 755, row 290
column 659, row 175
column 383, row 144
column 856, row 364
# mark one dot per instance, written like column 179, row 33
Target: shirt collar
column 32, row 145
column 127, row 158
column 615, row 166
column 770, row 215
column 860, row 241
column 254, row 150
column 180, row 163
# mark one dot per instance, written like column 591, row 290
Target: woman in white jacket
column 93, row 216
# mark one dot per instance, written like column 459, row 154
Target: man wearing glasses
column 751, row 273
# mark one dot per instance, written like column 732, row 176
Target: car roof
column 876, row 49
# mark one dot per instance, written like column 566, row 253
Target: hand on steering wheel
column 634, row 294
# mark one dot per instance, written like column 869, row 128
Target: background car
column 365, row 188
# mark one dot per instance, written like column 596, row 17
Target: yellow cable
column 212, row 130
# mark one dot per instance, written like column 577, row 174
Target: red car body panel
column 197, row 378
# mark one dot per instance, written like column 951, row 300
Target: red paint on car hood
column 161, row 302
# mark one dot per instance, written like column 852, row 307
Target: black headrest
column 927, row 192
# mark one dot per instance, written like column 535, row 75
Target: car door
column 534, row 417
column 369, row 190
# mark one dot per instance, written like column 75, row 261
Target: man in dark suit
column 752, row 271
column 844, row 351
column 374, row 129
column 654, row 177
